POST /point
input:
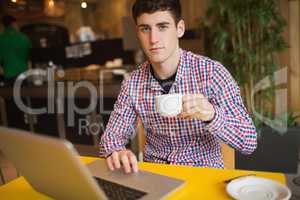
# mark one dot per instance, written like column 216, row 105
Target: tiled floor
column 10, row 173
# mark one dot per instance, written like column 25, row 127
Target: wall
column 108, row 16
column 291, row 57
column 192, row 11
column 73, row 17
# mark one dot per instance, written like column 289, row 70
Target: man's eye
column 145, row 29
column 162, row 28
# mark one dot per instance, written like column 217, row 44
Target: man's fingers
column 184, row 115
column 133, row 162
column 195, row 104
column 194, row 100
column 189, row 97
column 189, row 106
column 110, row 163
column 125, row 162
column 116, row 160
column 125, row 159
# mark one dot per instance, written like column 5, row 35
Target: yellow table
column 201, row 183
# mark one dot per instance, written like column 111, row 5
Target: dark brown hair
column 150, row 6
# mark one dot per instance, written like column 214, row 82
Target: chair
column 1, row 176
column 2, row 180
column 228, row 153
column 228, row 156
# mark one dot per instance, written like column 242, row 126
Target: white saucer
column 256, row 188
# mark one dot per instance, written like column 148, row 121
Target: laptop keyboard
column 115, row 191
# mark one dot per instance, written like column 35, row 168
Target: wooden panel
column 294, row 42
column 192, row 11
column 284, row 11
column 194, row 45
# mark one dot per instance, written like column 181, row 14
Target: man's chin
column 156, row 59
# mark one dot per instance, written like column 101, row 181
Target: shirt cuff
column 106, row 151
column 217, row 124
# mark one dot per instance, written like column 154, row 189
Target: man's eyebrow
column 158, row 24
column 143, row 25
column 162, row 23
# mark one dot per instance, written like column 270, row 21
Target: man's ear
column 180, row 28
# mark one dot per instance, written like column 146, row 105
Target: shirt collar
column 181, row 66
column 153, row 84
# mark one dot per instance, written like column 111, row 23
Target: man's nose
column 154, row 36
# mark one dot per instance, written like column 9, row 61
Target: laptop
column 52, row 166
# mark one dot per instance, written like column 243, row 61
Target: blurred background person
column 14, row 50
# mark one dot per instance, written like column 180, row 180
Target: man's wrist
column 217, row 123
column 106, row 156
column 110, row 153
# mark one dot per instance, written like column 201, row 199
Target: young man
column 212, row 105
column 14, row 50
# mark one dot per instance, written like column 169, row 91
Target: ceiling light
column 54, row 8
column 14, row 1
column 83, row 4
column 51, row 3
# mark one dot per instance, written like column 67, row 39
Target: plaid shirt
column 176, row 140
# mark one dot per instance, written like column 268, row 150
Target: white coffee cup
column 169, row 105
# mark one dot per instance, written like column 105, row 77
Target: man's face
column 158, row 34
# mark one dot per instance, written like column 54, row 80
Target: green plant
column 281, row 123
column 291, row 119
column 246, row 36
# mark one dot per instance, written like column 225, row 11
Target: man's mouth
column 156, row 49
